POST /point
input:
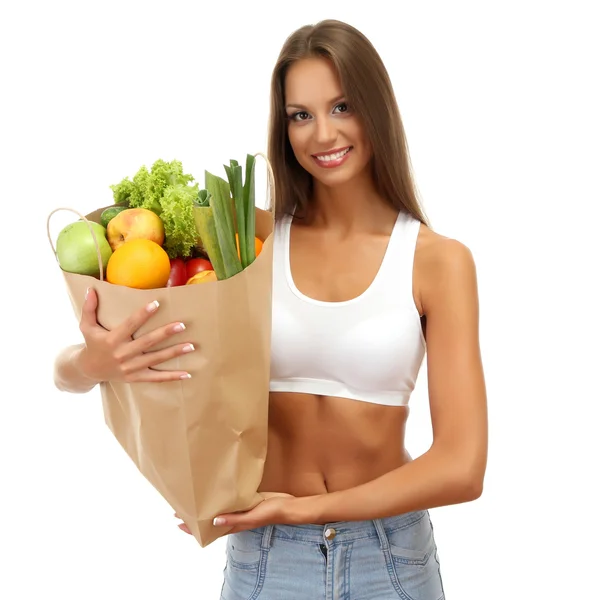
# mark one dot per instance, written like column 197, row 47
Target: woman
column 362, row 290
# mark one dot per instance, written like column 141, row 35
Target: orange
column 140, row 263
column 257, row 245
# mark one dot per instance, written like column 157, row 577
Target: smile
column 333, row 159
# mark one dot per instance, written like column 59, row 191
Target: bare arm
column 68, row 372
column 452, row 470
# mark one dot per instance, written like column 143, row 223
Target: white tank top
column 369, row 348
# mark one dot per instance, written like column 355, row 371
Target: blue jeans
column 383, row 559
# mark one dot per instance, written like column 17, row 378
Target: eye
column 301, row 115
column 342, row 107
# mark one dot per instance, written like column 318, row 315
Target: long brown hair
column 369, row 91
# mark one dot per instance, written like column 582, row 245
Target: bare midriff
column 322, row 444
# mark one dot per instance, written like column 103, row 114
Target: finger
column 156, row 358
column 130, row 325
column 182, row 526
column 241, row 527
column 268, row 495
column 88, row 311
column 234, row 520
column 153, row 338
column 152, row 376
column 185, row 528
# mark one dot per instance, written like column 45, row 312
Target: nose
column 326, row 132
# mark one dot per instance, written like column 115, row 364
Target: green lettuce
column 170, row 193
column 177, row 216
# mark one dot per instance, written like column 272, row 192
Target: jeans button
column 330, row 533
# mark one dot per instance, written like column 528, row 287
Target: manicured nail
column 87, row 293
column 218, row 521
column 152, row 306
column 179, row 327
column 188, row 348
column 185, row 376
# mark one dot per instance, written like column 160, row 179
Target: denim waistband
column 343, row 531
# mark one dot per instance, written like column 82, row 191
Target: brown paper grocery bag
column 200, row 442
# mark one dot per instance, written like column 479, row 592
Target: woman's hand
column 271, row 511
column 276, row 508
column 115, row 356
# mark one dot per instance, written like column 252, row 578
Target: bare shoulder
column 441, row 253
column 442, row 264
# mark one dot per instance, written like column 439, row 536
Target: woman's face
column 327, row 138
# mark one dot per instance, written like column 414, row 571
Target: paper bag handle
column 271, row 179
column 91, row 231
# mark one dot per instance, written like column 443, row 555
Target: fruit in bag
column 76, row 250
column 141, row 264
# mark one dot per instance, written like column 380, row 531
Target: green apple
column 76, row 250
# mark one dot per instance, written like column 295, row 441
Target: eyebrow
column 301, row 106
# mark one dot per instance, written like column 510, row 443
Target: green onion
column 234, row 174
column 250, row 208
column 224, row 208
column 219, row 192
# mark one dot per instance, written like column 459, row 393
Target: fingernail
column 218, row 521
column 152, row 306
column 188, row 348
column 185, row 376
column 87, row 293
column 179, row 327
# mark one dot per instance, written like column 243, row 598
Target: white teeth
column 335, row 156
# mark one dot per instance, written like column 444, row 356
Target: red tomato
column 197, row 265
column 178, row 275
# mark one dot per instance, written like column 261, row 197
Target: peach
column 135, row 224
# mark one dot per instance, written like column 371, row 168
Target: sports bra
column 369, row 348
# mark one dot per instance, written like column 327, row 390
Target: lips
column 332, row 158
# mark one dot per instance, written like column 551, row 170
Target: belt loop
column 383, row 539
column 266, row 537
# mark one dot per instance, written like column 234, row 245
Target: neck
column 353, row 206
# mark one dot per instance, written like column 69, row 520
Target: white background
column 500, row 103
